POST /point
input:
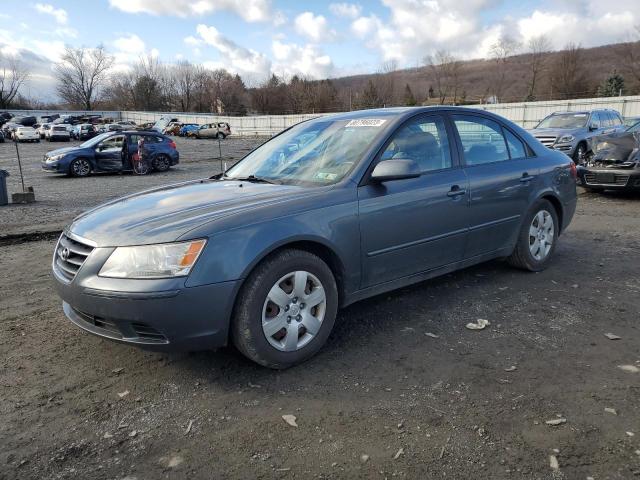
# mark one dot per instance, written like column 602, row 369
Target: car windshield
column 565, row 120
column 634, row 128
column 319, row 152
column 95, row 140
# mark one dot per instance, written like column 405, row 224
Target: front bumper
column 609, row 178
column 162, row 315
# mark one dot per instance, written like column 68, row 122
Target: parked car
column 83, row 131
column 173, row 128
column 630, row 121
column 57, row 132
column 110, row 127
column 27, row 121
column 49, row 118
column 26, row 134
column 264, row 255
column 8, row 129
column 104, row 153
column 42, row 130
column 571, row 132
column 127, row 124
column 615, row 164
column 188, row 127
column 162, row 123
column 213, row 130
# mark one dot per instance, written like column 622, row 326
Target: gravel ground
column 402, row 389
column 61, row 198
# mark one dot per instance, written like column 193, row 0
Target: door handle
column 456, row 191
column 526, row 177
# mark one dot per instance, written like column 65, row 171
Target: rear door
column 502, row 176
column 419, row 224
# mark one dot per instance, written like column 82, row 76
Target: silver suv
column 571, row 132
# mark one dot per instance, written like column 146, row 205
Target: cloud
column 313, row 27
column 131, row 44
column 248, row 10
column 58, row 13
column 308, row 61
column 235, row 58
column 347, row 10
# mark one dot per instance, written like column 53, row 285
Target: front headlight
column 566, row 139
column 153, row 261
column 55, row 158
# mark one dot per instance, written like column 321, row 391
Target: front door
column 108, row 154
column 502, row 179
column 419, row 224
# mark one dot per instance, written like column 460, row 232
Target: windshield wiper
column 249, row 178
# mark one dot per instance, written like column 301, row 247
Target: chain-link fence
column 525, row 114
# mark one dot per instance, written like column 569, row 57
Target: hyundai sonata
column 329, row 212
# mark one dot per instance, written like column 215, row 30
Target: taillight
column 573, row 169
column 172, row 144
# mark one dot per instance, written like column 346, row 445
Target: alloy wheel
column 541, row 235
column 293, row 311
column 81, row 167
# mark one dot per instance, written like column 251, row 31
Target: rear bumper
column 609, row 178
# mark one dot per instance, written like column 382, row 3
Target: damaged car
column 615, row 164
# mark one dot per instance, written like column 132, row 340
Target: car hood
column 167, row 213
column 556, row 132
column 64, row 151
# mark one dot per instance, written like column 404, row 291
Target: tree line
column 85, row 79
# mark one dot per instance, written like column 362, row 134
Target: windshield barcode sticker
column 366, row 122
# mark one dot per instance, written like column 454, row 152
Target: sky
column 316, row 39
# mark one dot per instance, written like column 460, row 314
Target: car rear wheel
column 80, row 167
column 220, row 136
column 161, row 163
column 537, row 239
column 285, row 310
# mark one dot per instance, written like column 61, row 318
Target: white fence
column 525, row 114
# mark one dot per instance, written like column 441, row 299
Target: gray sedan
column 329, row 212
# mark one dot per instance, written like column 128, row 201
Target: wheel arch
column 311, row 245
column 557, row 205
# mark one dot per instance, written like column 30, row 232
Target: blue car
column 189, row 127
column 111, row 152
column 331, row 211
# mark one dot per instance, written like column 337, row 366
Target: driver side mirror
column 395, row 169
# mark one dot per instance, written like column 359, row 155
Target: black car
column 615, row 164
column 28, row 121
column 1, row 137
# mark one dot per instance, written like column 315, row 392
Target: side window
column 111, row 144
column 595, row 120
column 516, row 147
column 482, row 140
column 608, row 119
column 423, row 140
column 617, row 121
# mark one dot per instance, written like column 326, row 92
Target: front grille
column 612, row 179
column 69, row 256
column 546, row 140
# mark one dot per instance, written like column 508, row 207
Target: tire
column 523, row 255
column 80, row 167
column 253, row 309
column 220, row 136
column 161, row 163
column 580, row 155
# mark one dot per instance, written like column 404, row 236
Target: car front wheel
column 286, row 309
column 80, row 167
column 537, row 239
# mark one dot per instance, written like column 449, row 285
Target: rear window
column 60, row 129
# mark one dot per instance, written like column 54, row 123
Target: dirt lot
column 402, row 389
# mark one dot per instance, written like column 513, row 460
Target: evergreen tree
column 370, row 97
column 612, row 86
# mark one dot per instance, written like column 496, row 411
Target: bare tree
column 567, row 75
column 82, row 74
column 385, row 81
column 501, row 51
column 538, row 48
column 12, row 77
column 444, row 70
column 629, row 53
column 184, row 80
